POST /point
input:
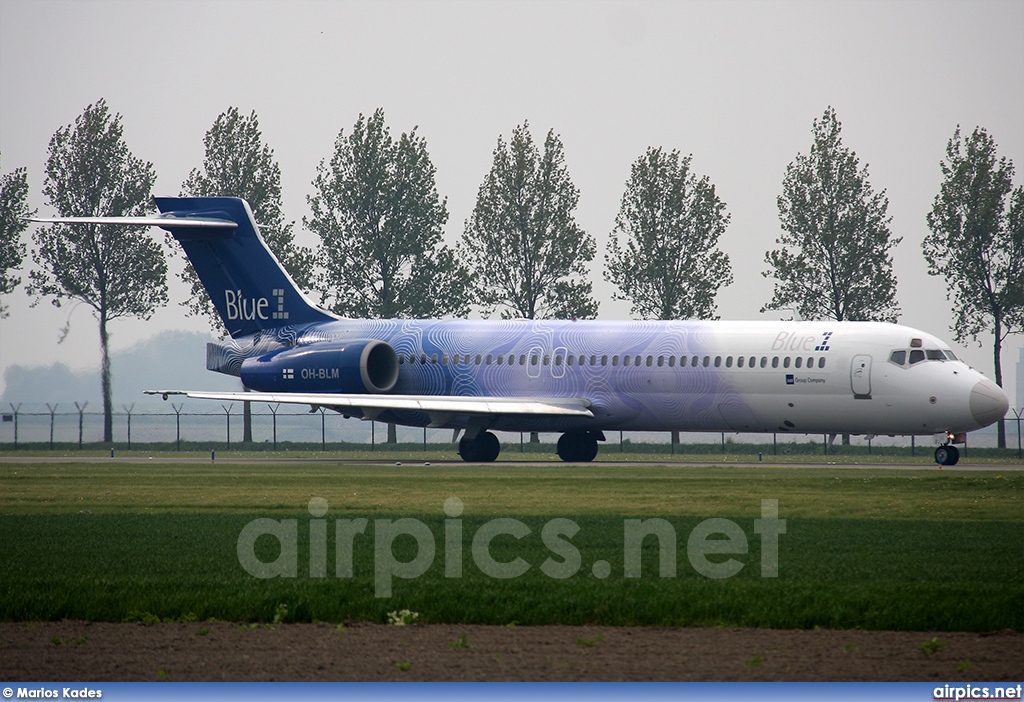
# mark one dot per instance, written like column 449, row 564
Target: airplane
column 579, row 378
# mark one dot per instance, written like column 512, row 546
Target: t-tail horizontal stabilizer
column 246, row 283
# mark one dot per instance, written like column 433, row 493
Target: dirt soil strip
column 96, row 651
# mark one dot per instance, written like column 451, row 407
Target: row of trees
column 379, row 219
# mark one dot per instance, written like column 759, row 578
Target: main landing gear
column 947, row 455
column 578, row 446
column 483, row 448
column 573, row 446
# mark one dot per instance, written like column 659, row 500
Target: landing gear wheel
column 482, row 449
column 947, row 455
column 577, row 447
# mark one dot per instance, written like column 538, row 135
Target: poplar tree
column 835, row 260
column 238, row 164
column 117, row 271
column 670, row 221
column 527, row 254
column 14, row 214
column 380, row 221
column 977, row 244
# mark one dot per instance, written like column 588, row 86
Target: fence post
column 775, row 444
column 424, row 438
column 177, row 425
column 15, row 409
column 913, row 445
column 1015, row 412
column 81, row 411
column 227, row 420
column 323, row 430
column 373, row 435
column 53, row 410
column 273, row 412
column 128, row 410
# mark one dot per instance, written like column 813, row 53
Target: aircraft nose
column 988, row 402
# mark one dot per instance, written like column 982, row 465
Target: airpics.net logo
column 712, row 546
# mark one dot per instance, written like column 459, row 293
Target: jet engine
column 358, row 366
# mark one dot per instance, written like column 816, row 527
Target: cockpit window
column 898, row 357
column 935, row 355
column 951, row 356
column 916, row 356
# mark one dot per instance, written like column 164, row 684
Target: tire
column 488, row 447
column 947, row 455
column 483, row 449
column 577, row 447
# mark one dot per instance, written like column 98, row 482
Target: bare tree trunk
column 108, row 411
column 247, row 421
column 997, row 352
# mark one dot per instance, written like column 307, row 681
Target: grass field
column 916, row 549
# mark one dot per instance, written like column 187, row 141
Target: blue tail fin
column 245, row 281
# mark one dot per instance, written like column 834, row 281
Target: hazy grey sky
column 735, row 83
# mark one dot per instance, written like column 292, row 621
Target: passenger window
column 522, row 359
column 501, row 359
column 898, row 357
column 695, row 361
column 764, row 361
column 569, row 360
column 490, row 359
column 423, row 359
column 810, row 362
column 728, row 362
column 604, row 360
column 547, row 359
column 821, row 362
column 707, row 361
column 444, row 360
column 718, row 361
column 799, row 362
column 671, row 361
column 785, row 362
column 739, row 362
column 401, row 359
column 637, row 361
column 593, row 360
column 775, row 362
column 615, row 360
column 650, row 361
column 625, row 360
column 916, row 356
column 753, row 360
column 433, row 359
column 558, row 360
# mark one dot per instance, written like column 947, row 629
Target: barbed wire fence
column 53, row 426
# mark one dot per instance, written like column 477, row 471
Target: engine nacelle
column 360, row 366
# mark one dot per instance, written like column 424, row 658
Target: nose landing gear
column 947, row 455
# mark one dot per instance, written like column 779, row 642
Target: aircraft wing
column 439, row 408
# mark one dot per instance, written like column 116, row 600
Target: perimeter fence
column 54, row 426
